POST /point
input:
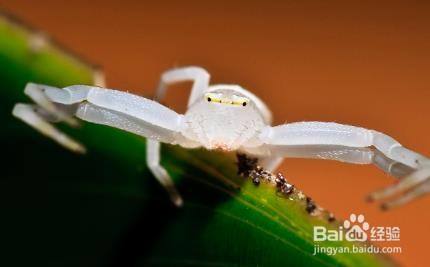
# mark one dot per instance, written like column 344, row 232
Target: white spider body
column 224, row 125
column 223, row 117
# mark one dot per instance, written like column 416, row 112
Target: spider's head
column 224, row 118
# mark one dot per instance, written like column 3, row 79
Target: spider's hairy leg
column 153, row 162
column 109, row 107
column 200, row 78
column 45, row 111
column 400, row 171
column 412, row 168
column 30, row 115
column 271, row 163
column 140, row 116
column 408, row 196
column 392, row 167
column 37, row 92
column 413, row 183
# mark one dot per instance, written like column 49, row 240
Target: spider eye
column 211, row 97
column 239, row 100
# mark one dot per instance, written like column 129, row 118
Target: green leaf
column 105, row 208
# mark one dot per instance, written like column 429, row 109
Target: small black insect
column 280, row 180
column 255, row 176
column 256, row 180
column 287, row 188
column 245, row 164
column 283, row 185
column 310, row 205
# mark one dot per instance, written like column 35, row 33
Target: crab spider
column 223, row 117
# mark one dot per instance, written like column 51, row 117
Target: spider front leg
column 354, row 145
column 414, row 184
column 409, row 187
column 45, row 111
column 113, row 108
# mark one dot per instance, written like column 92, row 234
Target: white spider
column 225, row 117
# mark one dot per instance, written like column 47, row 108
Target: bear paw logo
column 357, row 228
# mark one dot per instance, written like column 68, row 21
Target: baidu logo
column 357, row 230
column 354, row 229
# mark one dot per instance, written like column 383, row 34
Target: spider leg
column 45, row 111
column 154, row 133
column 408, row 196
column 389, row 155
column 113, row 108
column 200, row 78
column 37, row 93
column 33, row 117
column 153, row 162
column 271, row 156
column 408, row 185
column 392, row 167
column 415, row 179
column 270, row 163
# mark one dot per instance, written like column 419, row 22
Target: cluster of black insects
column 248, row 167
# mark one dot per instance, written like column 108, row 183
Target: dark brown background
column 355, row 62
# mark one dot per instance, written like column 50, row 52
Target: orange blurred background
column 364, row 63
